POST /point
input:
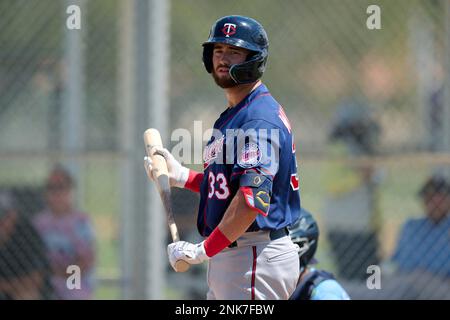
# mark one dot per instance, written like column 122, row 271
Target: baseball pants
column 256, row 269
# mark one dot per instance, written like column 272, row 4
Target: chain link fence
column 370, row 111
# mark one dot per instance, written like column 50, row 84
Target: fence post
column 73, row 115
column 158, row 111
column 446, row 100
column 126, row 111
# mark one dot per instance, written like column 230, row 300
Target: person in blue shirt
column 424, row 243
column 313, row 284
column 249, row 189
column 420, row 266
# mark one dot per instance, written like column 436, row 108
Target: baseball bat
column 152, row 139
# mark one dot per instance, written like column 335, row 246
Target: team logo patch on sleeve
column 250, row 156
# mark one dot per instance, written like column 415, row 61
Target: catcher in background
column 249, row 188
column 313, row 284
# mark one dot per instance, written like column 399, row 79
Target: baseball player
column 313, row 284
column 249, row 192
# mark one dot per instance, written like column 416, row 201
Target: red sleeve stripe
column 248, row 196
column 194, row 181
column 216, row 242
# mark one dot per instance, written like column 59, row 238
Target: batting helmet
column 305, row 233
column 241, row 32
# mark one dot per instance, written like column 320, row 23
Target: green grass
column 106, row 292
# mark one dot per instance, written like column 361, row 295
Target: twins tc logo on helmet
column 229, row 29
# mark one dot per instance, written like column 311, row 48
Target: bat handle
column 152, row 139
column 180, row 265
column 174, row 232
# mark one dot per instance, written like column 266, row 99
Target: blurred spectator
column 351, row 213
column 24, row 269
column 68, row 235
column 424, row 243
column 355, row 126
column 420, row 266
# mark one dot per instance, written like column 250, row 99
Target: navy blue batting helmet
column 243, row 32
column 305, row 233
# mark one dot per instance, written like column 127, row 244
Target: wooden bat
column 152, row 139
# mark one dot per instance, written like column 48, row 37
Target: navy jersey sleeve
column 257, row 150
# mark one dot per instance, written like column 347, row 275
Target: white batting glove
column 178, row 174
column 182, row 250
column 148, row 167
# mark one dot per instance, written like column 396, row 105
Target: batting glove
column 182, row 250
column 178, row 174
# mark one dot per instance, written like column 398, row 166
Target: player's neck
column 237, row 94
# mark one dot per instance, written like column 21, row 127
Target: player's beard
column 225, row 82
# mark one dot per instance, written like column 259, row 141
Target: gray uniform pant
column 257, row 269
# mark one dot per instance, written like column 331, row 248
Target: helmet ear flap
column 251, row 70
column 207, row 57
